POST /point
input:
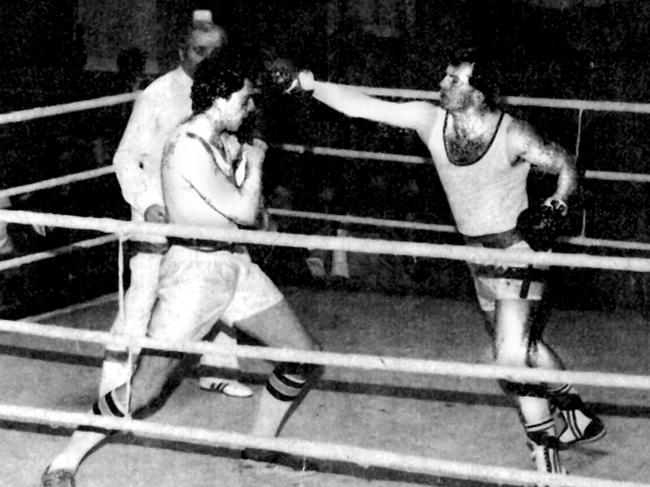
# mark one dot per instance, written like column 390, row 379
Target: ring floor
column 450, row 418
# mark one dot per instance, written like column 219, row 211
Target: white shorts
column 197, row 288
column 504, row 280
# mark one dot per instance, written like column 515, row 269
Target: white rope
column 360, row 361
column 106, row 298
column 350, row 244
column 352, row 154
column 609, row 106
column 303, row 448
column 360, row 220
column 433, row 227
column 602, row 106
column 618, row 176
column 409, row 159
column 38, row 256
column 42, row 112
column 58, row 181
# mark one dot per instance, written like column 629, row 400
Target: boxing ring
column 367, row 457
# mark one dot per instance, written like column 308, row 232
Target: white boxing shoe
column 228, row 387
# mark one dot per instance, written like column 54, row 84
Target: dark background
column 593, row 50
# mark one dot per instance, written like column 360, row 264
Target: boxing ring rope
column 362, row 456
column 580, row 105
column 58, row 181
column 580, row 241
column 47, row 254
column 350, row 244
column 409, row 159
column 347, row 360
column 77, row 106
column 602, row 106
column 328, row 451
column 433, row 227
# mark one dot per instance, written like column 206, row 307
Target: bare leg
column 513, row 345
column 279, row 327
column 148, row 381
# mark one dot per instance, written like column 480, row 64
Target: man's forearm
column 567, row 182
column 344, row 99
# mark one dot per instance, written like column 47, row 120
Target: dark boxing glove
column 540, row 225
column 282, row 74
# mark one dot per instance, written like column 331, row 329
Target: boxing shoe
column 228, row 387
column 576, row 426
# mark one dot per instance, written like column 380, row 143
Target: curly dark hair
column 486, row 73
column 213, row 80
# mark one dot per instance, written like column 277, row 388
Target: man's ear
column 478, row 96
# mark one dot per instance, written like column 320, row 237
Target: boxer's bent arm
column 525, row 144
column 238, row 204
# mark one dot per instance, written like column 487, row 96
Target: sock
column 283, row 387
column 85, row 438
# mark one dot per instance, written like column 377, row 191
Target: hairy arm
column 525, row 145
column 415, row 115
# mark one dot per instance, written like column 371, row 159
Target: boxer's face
column 238, row 106
column 456, row 92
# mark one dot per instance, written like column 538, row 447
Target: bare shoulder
column 522, row 132
column 525, row 144
column 178, row 147
column 424, row 116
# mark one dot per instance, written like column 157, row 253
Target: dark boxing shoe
column 57, row 478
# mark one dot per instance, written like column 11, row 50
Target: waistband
column 142, row 247
column 204, row 245
column 501, row 240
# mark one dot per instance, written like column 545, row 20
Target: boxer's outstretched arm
column 416, row 115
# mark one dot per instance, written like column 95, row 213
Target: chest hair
column 465, row 147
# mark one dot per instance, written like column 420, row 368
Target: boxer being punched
column 209, row 179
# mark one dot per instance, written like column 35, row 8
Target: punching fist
column 306, row 80
column 282, row 73
column 155, row 214
column 540, row 225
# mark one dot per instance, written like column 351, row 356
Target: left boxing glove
column 282, row 73
column 540, row 225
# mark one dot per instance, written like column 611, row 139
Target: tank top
column 486, row 196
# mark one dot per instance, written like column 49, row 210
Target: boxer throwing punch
column 483, row 156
